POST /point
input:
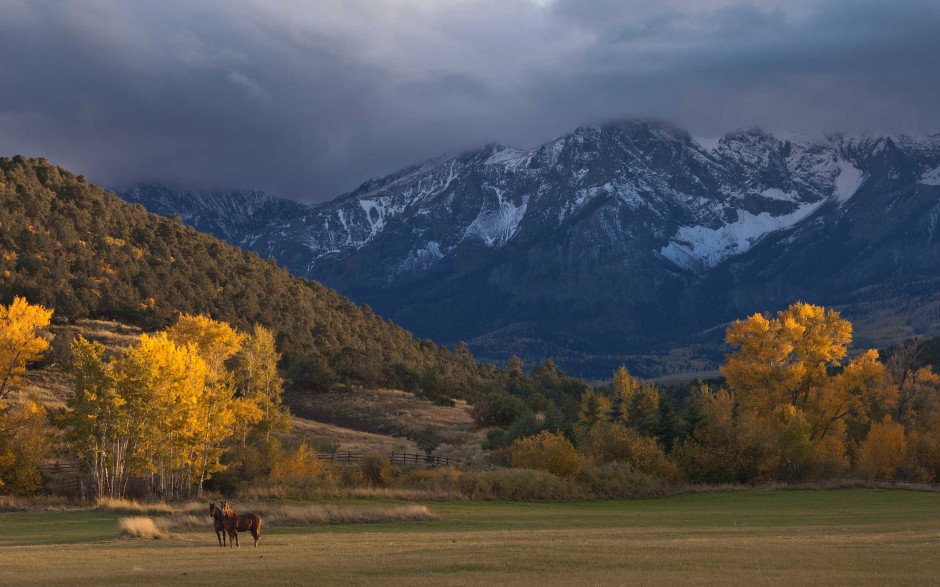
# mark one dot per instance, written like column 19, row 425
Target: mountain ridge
column 606, row 240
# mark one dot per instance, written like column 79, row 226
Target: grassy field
column 845, row 537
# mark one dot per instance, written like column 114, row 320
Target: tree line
column 793, row 406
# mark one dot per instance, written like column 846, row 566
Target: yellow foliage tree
column 546, row 451
column 594, row 409
column 259, row 384
column 622, row 395
column 882, row 451
column 21, row 343
column 165, row 386
column 215, row 341
column 785, row 361
column 24, row 434
column 24, row 443
column 97, row 423
column 221, row 413
column 302, row 465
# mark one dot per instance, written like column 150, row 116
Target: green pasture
column 843, row 537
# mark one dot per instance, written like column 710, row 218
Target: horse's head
column 226, row 511
column 212, row 509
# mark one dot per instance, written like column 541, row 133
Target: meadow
column 837, row 537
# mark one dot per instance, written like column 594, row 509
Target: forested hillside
column 72, row 246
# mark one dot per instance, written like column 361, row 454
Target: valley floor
column 844, row 537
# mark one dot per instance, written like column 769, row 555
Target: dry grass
column 158, row 526
column 391, row 414
column 354, row 441
column 271, row 491
column 139, row 527
column 307, row 515
column 36, row 503
column 129, row 506
column 166, row 518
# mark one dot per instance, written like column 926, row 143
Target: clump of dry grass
column 158, row 526
column 139, row 527
column 304, row 515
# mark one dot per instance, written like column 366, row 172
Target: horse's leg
column 218, row 535
column 236, row 539
column 256, row 534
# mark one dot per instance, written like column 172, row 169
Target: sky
column 309, row 99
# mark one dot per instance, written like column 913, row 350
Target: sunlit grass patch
column 139, row 527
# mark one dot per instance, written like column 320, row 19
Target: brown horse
column 234, row 523
column 217, row 523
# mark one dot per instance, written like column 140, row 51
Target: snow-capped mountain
column 609, row 240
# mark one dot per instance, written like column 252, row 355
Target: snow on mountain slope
column 931, row 177
column 849, row 179
column 698, row 248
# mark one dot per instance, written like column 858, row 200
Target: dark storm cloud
column 307, row 100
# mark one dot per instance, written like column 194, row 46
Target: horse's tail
column 256, row 528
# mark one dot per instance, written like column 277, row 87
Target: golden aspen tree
column 785, row 361
column 165, row 387
column 220, row 412
column 259, row 383
column 24, row 443
column 622, row 395
column 24, row 434
column 21, row 343
column 97, row 424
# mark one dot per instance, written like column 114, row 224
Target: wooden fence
column 62, row 478
column 65, row 478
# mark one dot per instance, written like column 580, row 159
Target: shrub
column 375, row 469
column 302, row 465
column 428, row 440
column 882, row 451
column 621, row 481
column 497, row 409
column 548, row 452
column 517, row 484
column 922, row 461
column 606, row 443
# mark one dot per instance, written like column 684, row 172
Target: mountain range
column 629, row 242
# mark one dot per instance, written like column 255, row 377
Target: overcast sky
column 309, row 99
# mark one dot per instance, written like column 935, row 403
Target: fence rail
column 401, row 458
